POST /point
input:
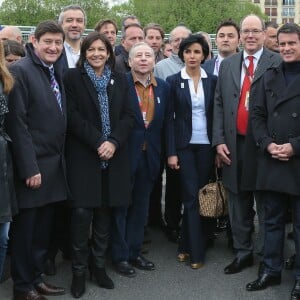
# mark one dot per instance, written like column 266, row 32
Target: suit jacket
column 209, row 65
column 152, row 136
column 225, row 115
column 179, row 128
column 37, row 127
column 275, row 118
column 85, row 136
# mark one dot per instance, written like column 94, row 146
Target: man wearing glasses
column 232, row 137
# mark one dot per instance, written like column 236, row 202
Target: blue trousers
column 129, row 221
column 196, row 162
column 4, row 228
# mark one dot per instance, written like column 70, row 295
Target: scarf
column 100, row 84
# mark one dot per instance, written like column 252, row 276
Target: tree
column 198, row 15
column 31, row 12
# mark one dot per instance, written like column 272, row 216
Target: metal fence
column 27, row 30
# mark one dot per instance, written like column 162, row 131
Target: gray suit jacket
column 225, row 114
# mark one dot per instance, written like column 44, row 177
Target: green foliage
column 198, row 15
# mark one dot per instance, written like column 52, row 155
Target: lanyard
column 144, row 108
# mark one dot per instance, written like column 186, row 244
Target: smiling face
column 252, row 34
column 289, row 47
column 227, row 40
column 97, row 55
column 73, row 24
column 142, row 60
column 49, row 47
column 193, row 56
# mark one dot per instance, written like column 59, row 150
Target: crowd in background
column 88, row 128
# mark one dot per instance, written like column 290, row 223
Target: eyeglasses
column 254, row 31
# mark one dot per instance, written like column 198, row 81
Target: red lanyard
column 144, row 109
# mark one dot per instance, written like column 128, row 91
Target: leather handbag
column 212, row 199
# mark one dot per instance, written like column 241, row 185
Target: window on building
column 270, row 2
column 271, row 11
column 288, row 2
column 287, row 20
column 288, row 12
column 256, row 1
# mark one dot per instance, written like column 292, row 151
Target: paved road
column 174, row 280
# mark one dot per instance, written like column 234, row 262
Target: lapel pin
column 112, row 81
column 182, row 85
column 158, row 100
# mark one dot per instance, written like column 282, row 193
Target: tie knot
column 250, row 58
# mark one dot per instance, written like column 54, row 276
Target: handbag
column 212, row 199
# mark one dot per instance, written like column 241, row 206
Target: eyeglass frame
column 255, row 32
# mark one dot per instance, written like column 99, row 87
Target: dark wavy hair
column 194, row 39
column 88, row 41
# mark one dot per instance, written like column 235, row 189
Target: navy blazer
column 209, row 65
column 153, row 135
column 179, row 124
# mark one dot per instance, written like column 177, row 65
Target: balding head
column 11, row 33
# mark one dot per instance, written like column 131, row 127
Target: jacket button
column 275, row 114
column 294, row 115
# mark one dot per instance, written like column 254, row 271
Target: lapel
column 111, row 90
column 133, row 95
column 183, row 86
column 263, row 64
column 284, row 92
column 236, row 65
column 205, row 82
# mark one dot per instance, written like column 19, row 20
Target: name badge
column 158, row 100
column 182, row 85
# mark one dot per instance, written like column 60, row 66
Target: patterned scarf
column 100, row 84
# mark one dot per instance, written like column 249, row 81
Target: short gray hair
column 133, row 49
column 71, row 7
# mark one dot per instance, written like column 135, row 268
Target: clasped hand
column 281, row 152
column 106, row 150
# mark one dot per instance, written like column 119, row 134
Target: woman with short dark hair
column 189, row 141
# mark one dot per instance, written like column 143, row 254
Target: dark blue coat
column 154, row 133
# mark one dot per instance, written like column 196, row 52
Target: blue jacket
column 154, row 134
column 179, row 125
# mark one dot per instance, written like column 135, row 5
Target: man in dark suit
column 227, row 42
column 231, row 135
column 149, row 97
column 72, row 20
column 37, row 125
column 275, row 122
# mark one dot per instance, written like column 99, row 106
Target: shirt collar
column 256, row 55
column 151, row 81
column 184, row 74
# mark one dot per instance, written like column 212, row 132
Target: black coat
column 37, row 128
column 8, row 204
column 85, row 136
column 276, row 118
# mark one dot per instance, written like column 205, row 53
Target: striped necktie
column 55, row 87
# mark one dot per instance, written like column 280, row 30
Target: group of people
column 87, row 128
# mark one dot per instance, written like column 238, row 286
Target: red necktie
column 242, row 114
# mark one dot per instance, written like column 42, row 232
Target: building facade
column 280, row 11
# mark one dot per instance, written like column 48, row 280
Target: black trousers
column 82, row 220
column 30, row 238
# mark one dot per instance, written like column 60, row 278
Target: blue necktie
column 55, row 87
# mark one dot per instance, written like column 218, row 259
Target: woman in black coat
column 8, row 204
column 99, row 121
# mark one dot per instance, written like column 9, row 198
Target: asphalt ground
column 174, row 280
